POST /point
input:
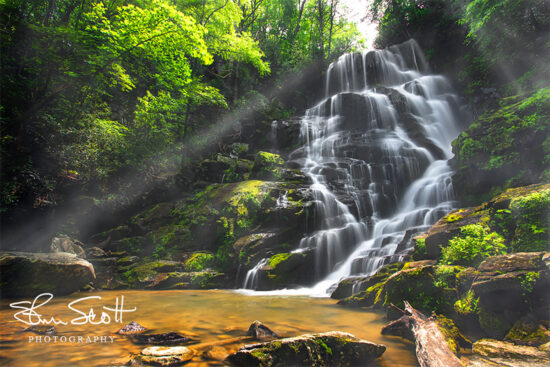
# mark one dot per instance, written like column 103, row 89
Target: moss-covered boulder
column 529, row 330
column 325, row 349
column 267, row 166
column 145, row 273
column 509, row 287
column 286, row 270
column 24, row 274
column 505, row 147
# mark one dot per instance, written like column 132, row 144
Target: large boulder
column 64, row 243
column 324, row 349
column 25, row 274
column 508, row 287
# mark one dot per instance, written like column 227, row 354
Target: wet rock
column 95, row 253
column 488, row 352
column 259, row 331
column 170, row 338
column 24, row 274
column 64, row 243
column 132, row 328
column 163, row 356
column 324, row 349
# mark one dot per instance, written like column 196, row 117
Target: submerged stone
column 324, row 349
column 170, row 338
column 163, row 356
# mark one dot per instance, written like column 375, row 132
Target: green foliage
column 199, row 261
column 531, row 212
column 528, row 281
column 468, row 304
column 474, row 243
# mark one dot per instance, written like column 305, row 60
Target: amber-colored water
column 209, row 315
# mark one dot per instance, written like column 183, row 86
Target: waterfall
column 376, row 150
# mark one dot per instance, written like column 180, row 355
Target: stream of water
column 376, row 151
column 211, row 316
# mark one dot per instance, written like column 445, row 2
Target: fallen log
column 432, row 349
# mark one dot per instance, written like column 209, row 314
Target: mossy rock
column 419, row 286
column 505, row 147
column 144, row 274
column 287, row 270
column 528, row 331
column 189, row 280
column 325, row 349
column 454, row 338
column 267, row 166
column 154, row 217
column 361, row 284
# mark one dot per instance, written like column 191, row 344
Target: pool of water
column 213, row 316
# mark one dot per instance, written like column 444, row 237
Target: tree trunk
column 432, row 349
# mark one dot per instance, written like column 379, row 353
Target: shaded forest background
column 100, row 99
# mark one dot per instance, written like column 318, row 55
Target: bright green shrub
column 474, row 243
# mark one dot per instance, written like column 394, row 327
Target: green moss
column 199, row 261
column 325, row 347
column 494, row 146
column 276, row 259
column 450, row 332
column 419, row 252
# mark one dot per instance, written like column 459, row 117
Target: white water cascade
column 376, row 150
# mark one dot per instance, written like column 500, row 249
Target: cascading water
column 376, row 150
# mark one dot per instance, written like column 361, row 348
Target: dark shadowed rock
column 24, row 274
column 96, row 253
column 400, row 327
column 171, row 338
column 324, row 349
column 259, row 331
